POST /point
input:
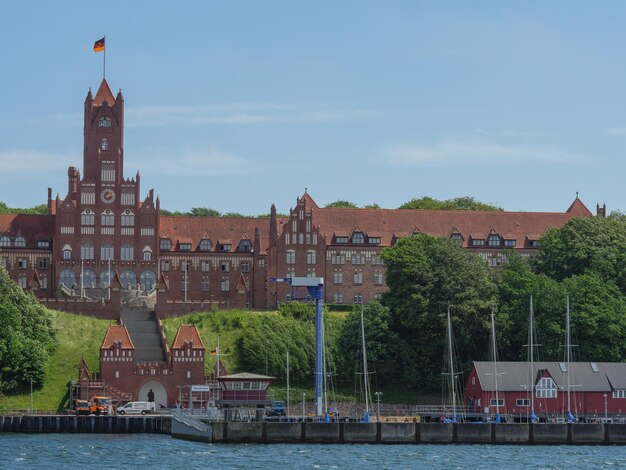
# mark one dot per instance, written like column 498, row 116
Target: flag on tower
column 99, row 45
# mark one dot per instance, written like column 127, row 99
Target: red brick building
column 105, row 227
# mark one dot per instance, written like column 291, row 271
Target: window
column 104, row 145
column 104, row 122
column 378, row 278
column 128, row 252
column 478, row 242
column 244, row 245
column 376, row 260
column 224, row 246
column 68, row 278
column 457, row 237
column 308, row 225
column 291, row 257
column 225, row 285
column 341, row 240
column 205, row 245
column 146, row 255
column 245, row 266
column 43, row 244
column 106, row 251
column 510, row 243
column 338, row 259
column 205, row 266
column 86, row 251
column 358, row 259
column 311, row 257
column 533, row 243
column 43, row 282
column 315, row 238
column 286, row 238
column 87, row 218
column 337, row 277
column 5, row 241
column 357, row 298
column 128, row 278
column 619, row 393
column 22, row 263
column 105, row 279
column 522, row 402
column 358, row 238
column 373, row 240
column 358, row 277
column 185, row 266
column 546, row 388
column 184, row 246
column 22, row 282
column 225, row 266
column 89, row 278
column 67, row 253
column 498, row 403
column 165, row 265
column 107, row 218
column 184, row 285
column 128, row 218
column 204, row 285
column 594, row 367
column 338, row 297
column 301, row 238
column 294, row 225
column 311, row 273
column 166, row 244
column 308, row 238
column 43, row 263
column 493, row 240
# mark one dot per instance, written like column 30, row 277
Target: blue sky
column 236, row 105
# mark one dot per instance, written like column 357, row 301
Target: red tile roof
column 216, row 229
column 117, row 333
column 388, row 223
column 104, row 94
column 187, row 333
column 32, row 227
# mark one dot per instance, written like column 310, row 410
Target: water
column 80, row 451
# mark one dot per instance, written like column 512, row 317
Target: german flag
column 98, row 45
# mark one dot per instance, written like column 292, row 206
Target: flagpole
column 104, row 60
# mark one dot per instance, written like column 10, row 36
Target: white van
column 136, row 407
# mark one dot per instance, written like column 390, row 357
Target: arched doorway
column 160, row 394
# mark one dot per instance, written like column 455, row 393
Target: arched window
column 87, row 218
column 20, row 242
column 146, row 253
column 244, row 245
column 205, row 244
column 104, row 145
column 147, row 279
column 128, row 278
column 311, row 257
column 107, row 218
column 89, row 278
column 493, row 240
column 128, row 218
column 66, row 252
column 68, row 278
column 166, row 244
column 105, row 279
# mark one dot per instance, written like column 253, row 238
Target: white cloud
column 472, row 152
column 16, row 161
column 207, row 161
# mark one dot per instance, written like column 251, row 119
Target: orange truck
column 98, row 405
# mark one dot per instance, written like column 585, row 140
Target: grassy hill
column 77, row 335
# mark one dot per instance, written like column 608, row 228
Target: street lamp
column 303, row 411
column 266, row 369
column 378, row 395
column 606, row 409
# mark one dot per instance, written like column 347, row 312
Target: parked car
column 136, row 407
column 277, row 408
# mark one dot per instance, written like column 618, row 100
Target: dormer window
column 184, row 246
column 493, row 240
column 373, row 240
column 224, row 246
column 166, row 244
column 43, row 244
column 546, row 388
column 478, row 242
column 20, row 242
column 341, row 240
column 205, row 245
column 358, row 238
column 510, row 243
column 244, row 245
column 5, row 241
column 533, row 243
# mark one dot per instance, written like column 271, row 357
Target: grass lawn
column 77, row 335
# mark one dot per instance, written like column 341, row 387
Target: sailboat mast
column 287, row 384
column 495, row 358
column 451, row 359
column 366, row 387
column 531, row 345
column 568, row 347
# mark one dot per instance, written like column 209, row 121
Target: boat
column 532, row 417
column 452, row 374
column 570, row 418
column 495, row 363
column 366, row 388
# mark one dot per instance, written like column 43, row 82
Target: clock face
column 107, row 196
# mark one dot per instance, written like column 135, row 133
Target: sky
column 240, row 104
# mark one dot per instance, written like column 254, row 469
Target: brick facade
column 103, row 227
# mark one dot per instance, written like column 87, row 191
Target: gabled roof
column 114, row 334
column 222, row 229
column 244, row 376
column 32, row 227
column 578, row 209
column 187, row 333
column 514, row 376
column 104, row 94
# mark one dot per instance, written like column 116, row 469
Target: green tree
column 371, row 206
column 425, row 275
column 204, row 212
column 39, row 209
column 459, row 203
column 27, row 336
column 381, row 343
column 585, row 245
column 342, row 204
